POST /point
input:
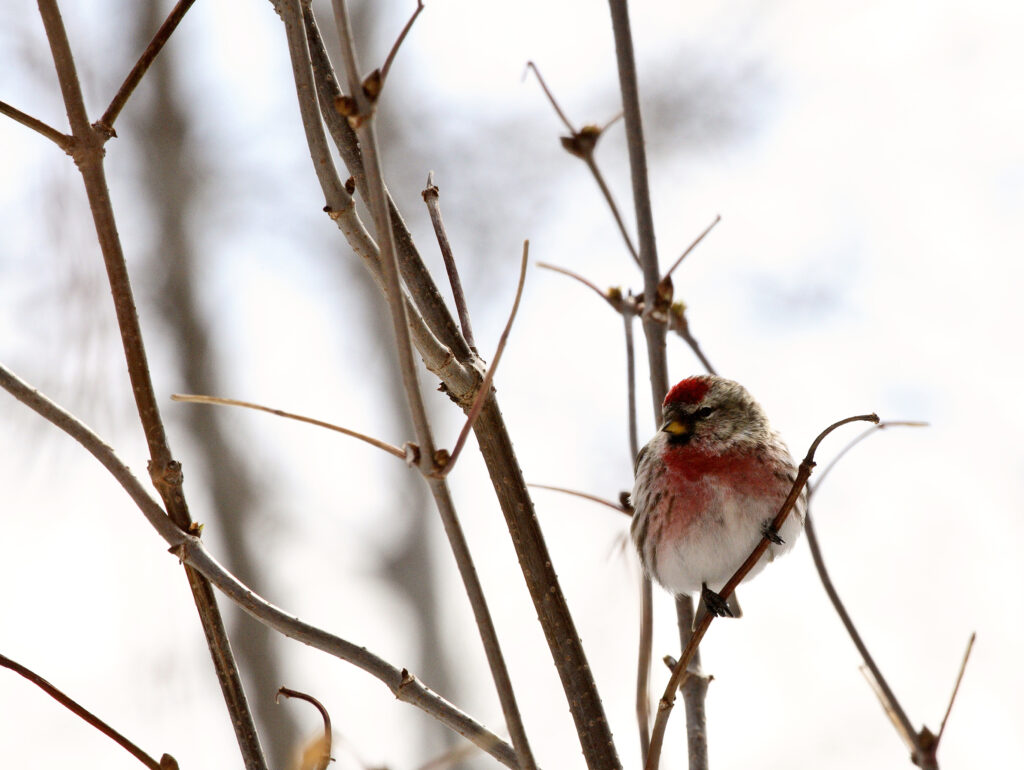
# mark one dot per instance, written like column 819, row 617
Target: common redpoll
column 707, row 488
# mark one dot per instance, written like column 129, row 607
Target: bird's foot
column 770, row 532
column 715, row 604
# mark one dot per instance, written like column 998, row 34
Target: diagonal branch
column 167, row 762
column 63, row 141
column 379, row 203
column 485, row 386
column 680, row 672
column 582, row 144
column 192, row 552
column 106, row 123
column 165, row 471
column 386, row 67
column 431, row 196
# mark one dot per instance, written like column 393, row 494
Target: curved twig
column 585, row 496
column 324, row 744
column 198, row 399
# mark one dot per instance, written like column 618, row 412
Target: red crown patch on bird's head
column 690, row 391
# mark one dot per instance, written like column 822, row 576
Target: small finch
column 707, row 488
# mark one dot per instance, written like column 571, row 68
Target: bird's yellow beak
column 677, row 428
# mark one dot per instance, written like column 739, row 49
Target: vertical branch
column 646, row 638
column 165, row 472
column 654, row 329
column 379, row 203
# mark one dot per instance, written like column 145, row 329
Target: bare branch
column 811, row 489
column 680, row 672
column 191, row 550
column 86, row 715
column 956, row 687
column 582, row 144
column 195, row 399
column 378, row 200
column 605, row 295
column 398, row 43
column 485, row 386
column 106, row 123
column 63, row 141
column 551, row 97
column 458, row 379
column 324, row 744
column 692, row 246
column 165, row 472
column 585, row 496
column 431, row 196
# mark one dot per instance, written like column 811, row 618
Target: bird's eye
column 703, row 412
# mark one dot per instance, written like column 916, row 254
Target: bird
column 707, row 488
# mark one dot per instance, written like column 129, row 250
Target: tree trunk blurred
column 174, row 171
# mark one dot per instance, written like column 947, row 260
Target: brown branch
column 362, row 121
column 885, row 694
column 585, row 496
column 196, row 399
column 869, row 432
column 106, row 123
column 166, row 762
column 608, row 296
column 680, row 671
column 165, row 472
column 459, row 375
column 191, row 550
column 428, row 301
column 63, row 141
column 431, row 196
column 956, row 687
column 324, row 744
column 485, row 386
column 398, row 43
column 582, row 144
column 691, row 247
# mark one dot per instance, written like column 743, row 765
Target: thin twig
column 889, row 700
column 191, row 550
column 106, row 123
column 324, row 744
column 551, row 97
column 823, row 474
column 680, row 671
column 956, row 687
column 431, row 196
column 197, row 399
column 458, row 373
column 398, row 43
column 645, row 642
column 582, row 144
column 692, row 246
column 63, row 141
column 164, row 470
column 442, row 345
column 86, row 715
column 565, row 271
column 485, row 386
column 585, row 496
